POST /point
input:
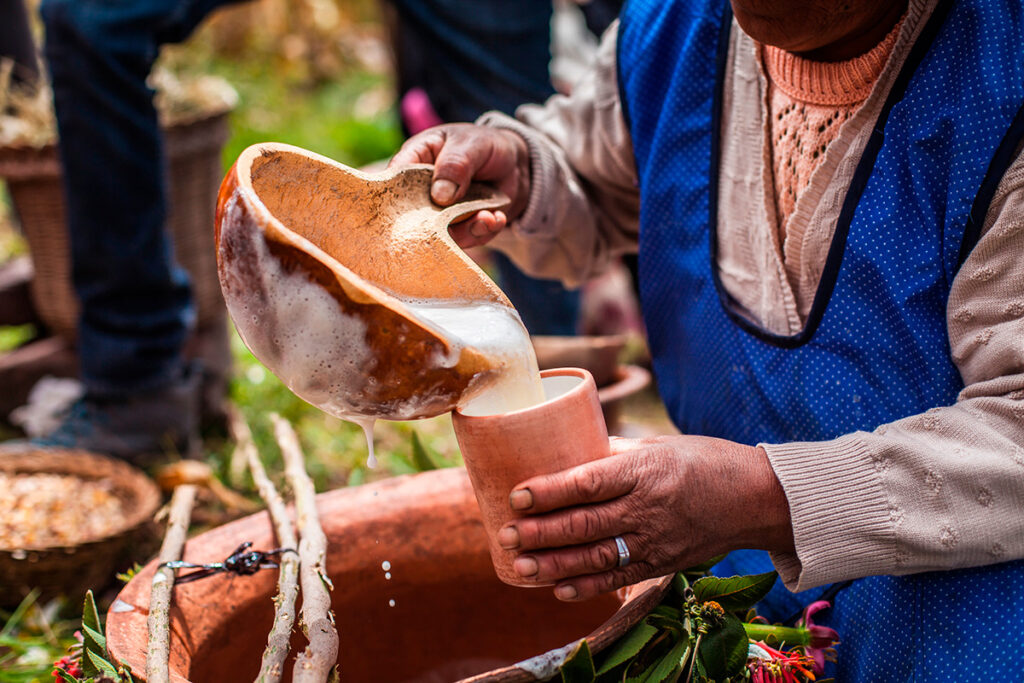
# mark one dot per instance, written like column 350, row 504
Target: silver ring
column 620, row 545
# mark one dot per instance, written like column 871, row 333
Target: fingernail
column 478, row 229
column 566, row 592
column 443, row 191
column 525, row 566
column 521, row 499
column 508, row 538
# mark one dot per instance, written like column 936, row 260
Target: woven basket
column 33, row 179
column 73, row 569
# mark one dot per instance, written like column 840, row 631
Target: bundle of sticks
column 304, row 570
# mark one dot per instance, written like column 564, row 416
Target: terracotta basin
column 628, row 380
column 600, row 355
column 597, row 353
column 315, row 261
column 452, row 620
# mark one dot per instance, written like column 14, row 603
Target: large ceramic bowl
column 451, row 619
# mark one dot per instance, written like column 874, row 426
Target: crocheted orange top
column 809, row 101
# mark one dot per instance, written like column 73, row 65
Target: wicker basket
column 33, row 179
column 71, row 570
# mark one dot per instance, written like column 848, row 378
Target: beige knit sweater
column 940, row 490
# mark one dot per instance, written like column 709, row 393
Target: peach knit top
column 808, row 102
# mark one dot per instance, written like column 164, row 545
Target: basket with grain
column 70, row 520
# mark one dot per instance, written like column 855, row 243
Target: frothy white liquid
column 496, row 331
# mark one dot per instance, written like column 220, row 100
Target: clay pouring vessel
column 317, row 261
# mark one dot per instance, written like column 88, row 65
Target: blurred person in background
column 141, row 397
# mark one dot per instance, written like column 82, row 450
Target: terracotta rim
column 553, row 372
column 629, row 379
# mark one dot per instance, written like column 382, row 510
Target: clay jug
column 317, row 262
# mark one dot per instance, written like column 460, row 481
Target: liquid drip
column 367, row 424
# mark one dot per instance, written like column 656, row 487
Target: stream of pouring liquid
column 495, row 330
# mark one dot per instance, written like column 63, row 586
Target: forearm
column 935, row 491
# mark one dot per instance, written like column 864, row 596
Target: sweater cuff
column 535, row 221
column 839, row 509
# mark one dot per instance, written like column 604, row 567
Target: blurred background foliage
column 317, row 74
column 313, row 73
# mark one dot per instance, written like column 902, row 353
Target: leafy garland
column 706, row 631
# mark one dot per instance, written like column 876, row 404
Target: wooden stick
column 288, row 576
column 316, row 663
column 158, row 649
column 245, row 447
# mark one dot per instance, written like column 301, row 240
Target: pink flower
column 822, row 637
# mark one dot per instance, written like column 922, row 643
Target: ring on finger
column 623, row 550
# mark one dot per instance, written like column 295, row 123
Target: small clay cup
column 501, row 451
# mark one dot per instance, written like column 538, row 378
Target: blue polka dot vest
column 875, row 347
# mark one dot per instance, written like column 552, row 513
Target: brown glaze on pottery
column 452, row 619
column 369, row 241
column 501, row 451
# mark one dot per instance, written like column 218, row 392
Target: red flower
column 69, row 665
column 775, row 666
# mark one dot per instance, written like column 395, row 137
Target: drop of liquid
column 391, row 602
column 385, row 565
column 387, row 575
column 367, row 424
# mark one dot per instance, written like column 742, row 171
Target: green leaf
column 679, row 584
column 125, row 672
column 420, row 458
column 705, row 566
column 627, row 647
column 723, row 652
column 578, row 667
column 94, row 644
column 96, row 664
column 666, row 623
column 671, row 665
column 668, row 612
column 65, row 676
column 735, row 592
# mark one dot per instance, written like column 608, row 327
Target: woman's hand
column 676, row 501
column 463, row 152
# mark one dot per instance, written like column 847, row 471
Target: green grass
column 33, row 636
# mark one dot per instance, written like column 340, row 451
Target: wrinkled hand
column 463, row 152
column 676, row 501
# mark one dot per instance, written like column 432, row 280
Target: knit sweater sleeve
column 584, row 205
column 940, row 490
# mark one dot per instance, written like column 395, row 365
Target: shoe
column 139, row 428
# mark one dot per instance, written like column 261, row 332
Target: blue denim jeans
column 136, row 302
